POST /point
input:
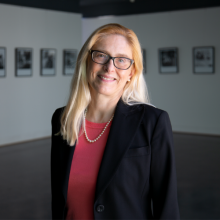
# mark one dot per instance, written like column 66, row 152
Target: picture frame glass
column 168, row 60
column 2, row 61
column 23, row 62
column 48, row 62
column 203, row 58
column 70, row 58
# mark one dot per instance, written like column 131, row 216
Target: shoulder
column 57, row 116
column 151, row 115
column 149, row 110
column 155, row 115
column 157, row 121
column 154, row 111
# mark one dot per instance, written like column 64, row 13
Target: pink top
column 84, row 170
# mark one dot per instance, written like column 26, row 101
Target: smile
column 109, row 79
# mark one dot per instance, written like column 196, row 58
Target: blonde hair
column 134, row 92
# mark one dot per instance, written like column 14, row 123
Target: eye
column 100, row 55
column 121, row 60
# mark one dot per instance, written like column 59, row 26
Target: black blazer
column 137, row 176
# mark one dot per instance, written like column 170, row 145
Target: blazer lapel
column 121, row 134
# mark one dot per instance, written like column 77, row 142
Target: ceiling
column 95, row 8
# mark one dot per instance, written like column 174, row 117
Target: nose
column 109, row 66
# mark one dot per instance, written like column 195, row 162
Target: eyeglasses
column 122, row 63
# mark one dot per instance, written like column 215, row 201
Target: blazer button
column 100, row 208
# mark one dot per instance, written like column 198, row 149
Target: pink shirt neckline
column 96, row 125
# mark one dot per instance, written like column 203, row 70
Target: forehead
column 114, row 45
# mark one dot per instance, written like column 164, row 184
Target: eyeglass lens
column 119, row 62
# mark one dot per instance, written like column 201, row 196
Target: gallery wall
column 27, row 103
column 192, row 100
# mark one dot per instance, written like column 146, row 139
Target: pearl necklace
column 92, row 141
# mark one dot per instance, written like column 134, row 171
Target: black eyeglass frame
column 110, row 58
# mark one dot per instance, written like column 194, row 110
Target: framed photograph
column 144, row 60
column 69, row 61
column 2, row 61
column 203, row 59
column 48, row 62
column 23, row 61
column 168, row 60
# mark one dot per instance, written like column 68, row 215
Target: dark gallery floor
column 25, row 178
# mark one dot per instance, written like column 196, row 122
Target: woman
column 112, row 152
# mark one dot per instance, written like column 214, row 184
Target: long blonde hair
column 134, row 92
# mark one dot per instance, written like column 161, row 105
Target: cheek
column 89, row 70
column 93, row 68
column 123, row 77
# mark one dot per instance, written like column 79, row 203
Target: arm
column 163, row 172
column 55, row 170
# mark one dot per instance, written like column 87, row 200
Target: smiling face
column 106, row 79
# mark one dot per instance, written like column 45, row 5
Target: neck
column 101, row 109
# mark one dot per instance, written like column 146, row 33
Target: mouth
column 106, row 78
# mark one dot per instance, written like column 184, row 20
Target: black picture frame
column 144, row 60
column 23, row 62
column 48, row 62
column 2, row 62
column 69, row 61
column 203, row 60
column 168, row 60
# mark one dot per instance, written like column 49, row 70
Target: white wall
column 192, row 101
column 27, row 103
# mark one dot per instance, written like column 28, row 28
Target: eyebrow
column 117, row 55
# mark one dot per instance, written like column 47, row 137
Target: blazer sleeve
column 163, row 172
column 57, row 199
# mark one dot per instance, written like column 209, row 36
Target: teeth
column 106, row 78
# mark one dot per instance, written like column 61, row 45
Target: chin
column 104, row 90
column 105, row 93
